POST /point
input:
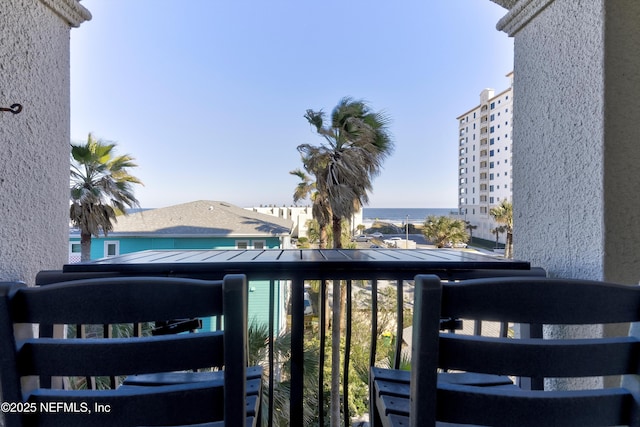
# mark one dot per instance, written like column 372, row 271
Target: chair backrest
column 124, row 300
column 523, row 300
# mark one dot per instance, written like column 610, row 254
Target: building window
column 491, row 165
column 259, row 244
column 491, row 153
column 493, row 116
column 493, row 105
column 111, row 248
column 242, row 244
column 75, row 252
column 491, row 130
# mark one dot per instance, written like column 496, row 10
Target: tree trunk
column 335, row 357
column 85, row 246
column 335, row 333
column 337, row 232
column 323, row 237
column 508, row 251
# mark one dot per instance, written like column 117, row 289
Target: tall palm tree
column 101, row 187
column 356, row 142
column 443, row 229
column 503, row 214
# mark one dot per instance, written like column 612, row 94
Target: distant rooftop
column 203, row 218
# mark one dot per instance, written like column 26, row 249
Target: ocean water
column 399, row 215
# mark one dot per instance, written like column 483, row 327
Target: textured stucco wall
column 576, row 151
column 34, row 145
column 576, row 131
column 622, row 142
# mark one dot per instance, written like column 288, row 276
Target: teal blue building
column 199, row 225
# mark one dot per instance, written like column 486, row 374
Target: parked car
column 392, row 242
column 360, row 238
column 377, row 235
column 456, row 245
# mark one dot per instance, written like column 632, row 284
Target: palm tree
column 101, row 187
column 443, row 229
column 503, row 214
column 259, row 355
column 470, row 227
column 497, row 231
column 320, row 209
column 356, row 141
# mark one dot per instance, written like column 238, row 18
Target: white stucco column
column 576, row 134
column 576, row 138
column 34, row 144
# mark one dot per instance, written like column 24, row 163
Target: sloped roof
column 203, row 218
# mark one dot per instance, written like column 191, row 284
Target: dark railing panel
column 323, row 340
column 374, row 322
column 272, row 301
column 347, row 350
column 297, row 266
column 399, row 323
column 296, row 403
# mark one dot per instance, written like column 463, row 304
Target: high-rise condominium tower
column 484, row 144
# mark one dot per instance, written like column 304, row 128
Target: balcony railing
column 370, row 269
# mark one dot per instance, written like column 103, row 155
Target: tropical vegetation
column 101, row 188
column 497, row 231
column 441, row 230
column 259, row 337
column 503, row 214
column 356, row 142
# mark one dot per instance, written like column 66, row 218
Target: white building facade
column 300, row 215
column 484, row 160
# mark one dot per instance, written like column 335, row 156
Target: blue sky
column 209, row 95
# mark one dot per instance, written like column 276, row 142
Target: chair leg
column 374, row 415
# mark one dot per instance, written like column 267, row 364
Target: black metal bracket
column 450, row 324
column 15, row 108
column 176, row 326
